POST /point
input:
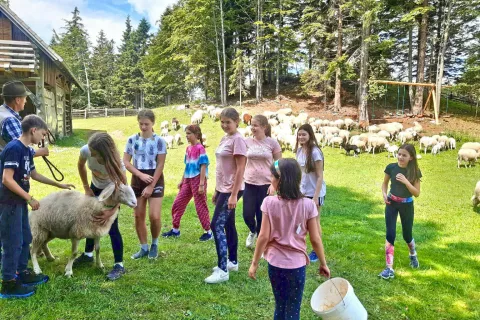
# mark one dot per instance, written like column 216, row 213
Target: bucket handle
column 344, row 304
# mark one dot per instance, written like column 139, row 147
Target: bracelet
column 201, row 185
column 31, row 199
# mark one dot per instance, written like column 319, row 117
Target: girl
column 404, row 177
column 148, row 152
column 311, row 160
column 262, row 150
column 193, row 183
column 287, row 218
column 231, row 159
column 101, row 156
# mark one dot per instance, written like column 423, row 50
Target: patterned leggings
column 188, row 190
column 224, row 230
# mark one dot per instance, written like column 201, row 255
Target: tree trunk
column 222, row 94
column 362, row 108
column 338, row 82
column 279, row 53
column 224, row 103
column 259, row 53
column 441, row 57
column 411, row 93
column 438, row 39
column 422, row 45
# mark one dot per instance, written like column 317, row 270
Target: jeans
column 287, row 287
column 16, row 237
column 114, row 233
column 224, row 230
column 253, row 197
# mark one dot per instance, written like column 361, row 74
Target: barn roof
column 34, row 38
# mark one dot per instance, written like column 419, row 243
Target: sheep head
column 122, row 194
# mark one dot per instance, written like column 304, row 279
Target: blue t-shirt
column 18, row 157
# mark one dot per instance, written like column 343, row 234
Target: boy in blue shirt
column 16, row 169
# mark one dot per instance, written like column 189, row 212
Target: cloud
column 43, row 16
column 153, row 9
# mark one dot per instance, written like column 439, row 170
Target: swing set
column 431, row 93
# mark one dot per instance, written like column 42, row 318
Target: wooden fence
column 102, row 113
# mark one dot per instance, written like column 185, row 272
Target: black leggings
column 406, row 217
column 114, row 233
column 253, row 197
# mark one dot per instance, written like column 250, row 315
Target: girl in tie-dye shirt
column 193, row 184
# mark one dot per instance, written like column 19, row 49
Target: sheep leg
column 36, row 267
column 97, row 253
column 68, row 268
column 47, row 252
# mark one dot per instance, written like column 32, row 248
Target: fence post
column 85, row 113
column 106, row 112
column 124, row 112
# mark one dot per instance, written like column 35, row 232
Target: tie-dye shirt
column 144, row 151
column 194, row 158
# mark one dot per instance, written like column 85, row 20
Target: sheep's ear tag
column 107, row 192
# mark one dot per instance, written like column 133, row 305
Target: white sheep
column 471, row 145
column 273, row 122
column 164, row 125
column 169, row 141
column 373, row 129
column 427, row 142
column 436, row 148
column 285, row 111
column 204, row 139
column 177, row 139
column 349, row 123
column 392, row 149
column 336, row 141
column 467, row 155
column 452, row 143
column 476, row 195
column 405, row 136
column 164, row 132
column 69, row 215
column 376, row 143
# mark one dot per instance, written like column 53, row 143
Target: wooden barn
column 26, row 57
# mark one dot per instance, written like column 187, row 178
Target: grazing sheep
column 178, row 139
column 385, row 134
column 164, row 132
column 351, row 147
column 175, row 124
column 392, row 149
column 427, row 142
column 360, row 144
column 417, row 127
column 373, row 129
column 471, row 145
column 269, row 114
column 349, row 123
column 164, row 125
column 273, row 122
column 336, row 141
column 285, row 111
column 169, row 141
column 69, row 215
column 344, row 134
column 452, row 143
column 405, row 136
column 476, row 195
column 376, row 143
column 467, row 155
column 436, row 148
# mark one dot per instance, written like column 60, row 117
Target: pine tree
column 102, row 71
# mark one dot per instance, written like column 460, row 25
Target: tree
column 422, row 46
column 102, row 71
column 337, row 104
column 259, row 51
column 237, row 78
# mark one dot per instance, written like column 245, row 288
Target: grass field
column 446, row 286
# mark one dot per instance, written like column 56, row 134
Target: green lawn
column 447, row 285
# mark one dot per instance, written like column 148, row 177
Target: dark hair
column 33, row 121
column 104, row 145
column 230, row 113
column 289, row 178
column 195, row 129
column 8, row 100
column 146, row 113
column 413, row 172
column 264, row 123
column 312, row 143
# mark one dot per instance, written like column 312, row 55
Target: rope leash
column 50, row 165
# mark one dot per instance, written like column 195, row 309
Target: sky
column 45, row 15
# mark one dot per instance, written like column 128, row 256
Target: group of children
column 282, row 199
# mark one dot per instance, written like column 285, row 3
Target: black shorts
column 321, row 200
column 138, row 185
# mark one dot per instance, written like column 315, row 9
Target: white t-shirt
column 309, row 180
column 100, row 177
column 144, row 151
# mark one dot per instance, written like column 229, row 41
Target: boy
column 16, row 168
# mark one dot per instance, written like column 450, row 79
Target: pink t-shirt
column 259, row 159
column 226, row 166
column 286, row 246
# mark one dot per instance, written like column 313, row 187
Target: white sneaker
column 217, row 276
column 230, row 266
column 250, row 240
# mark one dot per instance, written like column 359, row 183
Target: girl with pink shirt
column 231, row 159
column 287, row 218
column 262, row 150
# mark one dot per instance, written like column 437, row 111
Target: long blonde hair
column 104, row 145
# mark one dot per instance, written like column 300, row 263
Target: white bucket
column 335, row 300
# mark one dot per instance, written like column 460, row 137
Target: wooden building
column 26, row 57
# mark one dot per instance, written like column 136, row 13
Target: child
column 101, row 156
column 404, row 177
column 231, row 160
column 287, row 218
column 16, row 169
column 193, row 183
column 262, row 150
column 148, row 152
column 311, row 160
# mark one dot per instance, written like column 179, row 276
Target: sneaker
column 171, row 233
column 217, row 276
column 117, row 272
column 250, row 240
column 206, row 236
column 140, row 254
column 15, row 289
column 83, row 259
column 153, row 254
column 387, row 274
column 414, row 262
column 28, row 278
column 313, row 256
column 230, row 266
